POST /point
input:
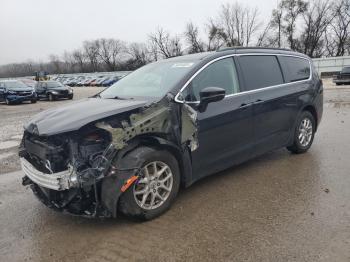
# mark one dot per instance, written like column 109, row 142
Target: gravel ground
column 15, row 116
column 278, row 207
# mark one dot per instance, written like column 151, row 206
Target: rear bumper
column 57, row 181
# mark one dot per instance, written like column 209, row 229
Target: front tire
column 304, row 133
column 33, row 101
column 156, row 189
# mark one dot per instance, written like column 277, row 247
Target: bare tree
column 140, row 55
column 55, row 64
column 317, row 18
column 341, row 27
column 276, row 23
column 110, row 51
column 166, row 46
column 216, row 36
column 68, row 62
column 79, row 60
column 292, row 9
column 264, row 38
column 238, row 23
column 91, row 52
column 192, row 38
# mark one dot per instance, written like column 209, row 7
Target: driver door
column 225, row 128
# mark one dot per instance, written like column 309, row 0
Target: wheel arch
column 312, row 110
column 109, row 195
column 183, row 157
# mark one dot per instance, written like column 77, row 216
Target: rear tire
column 304, row 133
column 147, row 198
column 51, row 97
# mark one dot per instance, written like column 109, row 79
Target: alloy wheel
column 305, row 132
column 154, row 186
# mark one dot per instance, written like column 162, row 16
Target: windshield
column 14, row 84
column 54, row 84
column 152, row 80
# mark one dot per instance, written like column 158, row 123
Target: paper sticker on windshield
column 182, row 65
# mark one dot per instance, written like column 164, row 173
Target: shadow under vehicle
column 170, row 123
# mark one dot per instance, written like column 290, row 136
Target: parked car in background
column 14, row 91
column 101, row 80
column 89, row 81
column 170, row 123
column 28, row 82
column 343, row 77
column 109, row 81
column 53, row 90
column 95, row 81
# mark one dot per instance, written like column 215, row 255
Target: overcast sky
column 34, row 29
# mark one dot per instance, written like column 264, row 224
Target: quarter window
column 294, row 68
column 260, row 71
column 218, row 74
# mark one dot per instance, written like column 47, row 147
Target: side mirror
column 209, row 95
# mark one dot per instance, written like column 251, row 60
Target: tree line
column 317, row 28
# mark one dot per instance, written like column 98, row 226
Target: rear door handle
column 245, row 105
column 259, row 101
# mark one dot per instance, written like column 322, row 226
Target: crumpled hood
column 73, row 116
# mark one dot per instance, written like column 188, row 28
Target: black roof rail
column 251, row 47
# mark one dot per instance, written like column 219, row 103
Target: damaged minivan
column 128, row 149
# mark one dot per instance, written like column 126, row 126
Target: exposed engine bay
column 84, row 171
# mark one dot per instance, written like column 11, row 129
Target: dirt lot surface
column 279, row 207
column 15, row 116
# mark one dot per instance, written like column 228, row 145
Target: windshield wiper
column 121, row 98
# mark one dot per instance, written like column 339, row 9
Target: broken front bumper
column 56, row 181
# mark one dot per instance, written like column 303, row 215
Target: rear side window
column 294, row 68
column 260, row 71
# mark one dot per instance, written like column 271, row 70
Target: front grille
column 64, row 92
column 22, row 93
